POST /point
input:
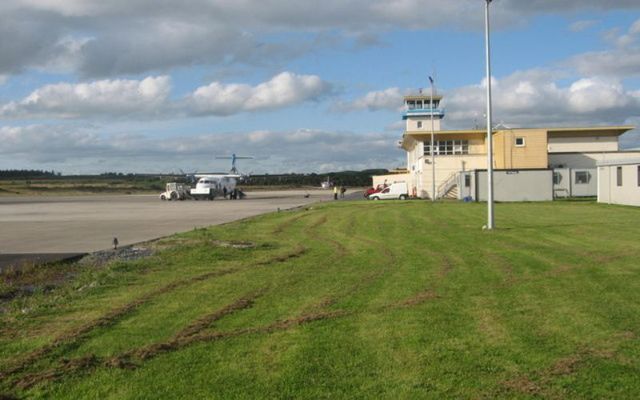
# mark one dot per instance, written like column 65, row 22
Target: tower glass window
column 447, row 147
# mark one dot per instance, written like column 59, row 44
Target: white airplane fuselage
column 214, row 185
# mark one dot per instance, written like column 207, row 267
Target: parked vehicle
column 397, row 191
column 175, row 191
column 371, row 191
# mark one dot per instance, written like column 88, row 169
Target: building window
column 419, row 124
column 619, row 176
column 520, row 142
column 557, row 178
column 582, row 177
column 467, row 181
column 447, row 147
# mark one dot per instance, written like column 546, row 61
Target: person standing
column 335, row 192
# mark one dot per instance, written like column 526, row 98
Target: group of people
column 342, row 190
column 234, row 194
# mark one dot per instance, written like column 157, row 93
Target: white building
column 570, row 150
column 619, row 182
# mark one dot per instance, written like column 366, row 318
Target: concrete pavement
column 81, row 224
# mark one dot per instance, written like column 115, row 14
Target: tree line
column 28, row 173
column 343, row 178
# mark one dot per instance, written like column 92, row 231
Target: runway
column 82, row 224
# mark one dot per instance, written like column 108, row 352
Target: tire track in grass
column 313, row 231
column 281, row 228
column 538, row 383
column 350, row 232
column 127, row 359
column 195, row 333
column 73, row 338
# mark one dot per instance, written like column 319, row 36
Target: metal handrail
column 445, row 186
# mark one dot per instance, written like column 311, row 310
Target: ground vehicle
column 175, row 191
column 394, row 191
column 371, row 191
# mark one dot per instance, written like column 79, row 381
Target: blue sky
column 151, row 86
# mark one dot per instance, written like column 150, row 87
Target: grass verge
column 348, row 300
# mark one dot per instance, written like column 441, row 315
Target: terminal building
column 619, row 182
column 529, row 164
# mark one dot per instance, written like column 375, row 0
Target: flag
column 431, row 80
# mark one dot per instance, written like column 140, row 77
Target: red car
column 373, row 190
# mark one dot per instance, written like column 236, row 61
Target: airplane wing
column 236, row 157
column 218, row 175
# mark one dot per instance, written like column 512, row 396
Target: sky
column 159, row 86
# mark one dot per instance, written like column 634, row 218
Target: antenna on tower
column 434, row 74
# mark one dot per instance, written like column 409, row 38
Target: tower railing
column 439, row 112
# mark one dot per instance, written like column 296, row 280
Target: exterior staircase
column 449, row 188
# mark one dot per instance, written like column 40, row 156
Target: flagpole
column 433, row 159
column 490, row 216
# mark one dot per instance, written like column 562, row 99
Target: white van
column 397, row 191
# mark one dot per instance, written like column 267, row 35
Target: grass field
column 381, row 300
column 81, row 185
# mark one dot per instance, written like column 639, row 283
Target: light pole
column 433, row 160
column 490, row 219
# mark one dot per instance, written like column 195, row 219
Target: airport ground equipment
column 175, row 191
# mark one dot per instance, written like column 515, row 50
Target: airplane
column 211, row 184
column 326, row 184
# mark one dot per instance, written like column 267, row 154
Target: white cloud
column 387, row 99
column 149, row 97
column 622, row 61
column 631, row 140
column 73, row 149
column 149, row 36
column 34, row 144
column 117, row 98
column 534, row 98
column 593, row 95
column 282, row 90
column 582, row 25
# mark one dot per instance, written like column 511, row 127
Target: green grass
column 81, row 186
column 382, row 300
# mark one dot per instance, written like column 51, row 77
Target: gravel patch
column 126, row 253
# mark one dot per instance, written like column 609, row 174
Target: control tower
column 419, row 111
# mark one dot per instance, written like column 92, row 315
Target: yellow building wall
column 446, row 167
column 390, row 178
column 476, row 141
column 532, row 155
